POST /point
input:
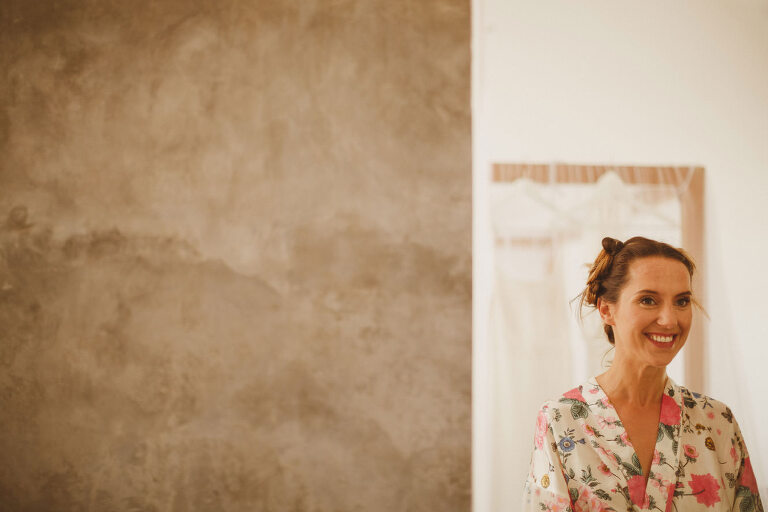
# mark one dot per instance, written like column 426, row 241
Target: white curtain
column 546, row 236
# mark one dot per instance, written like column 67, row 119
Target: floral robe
column 583, row 460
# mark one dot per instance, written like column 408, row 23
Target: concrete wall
column 236, row 256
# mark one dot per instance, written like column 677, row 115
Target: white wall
column 639, row 83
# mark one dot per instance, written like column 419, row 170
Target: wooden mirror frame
column 691, row 182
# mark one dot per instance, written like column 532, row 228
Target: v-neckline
column 611, row 405
column 622, row 454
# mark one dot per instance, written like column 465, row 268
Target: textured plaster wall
column 235, row 265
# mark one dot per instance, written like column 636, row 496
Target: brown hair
column 610, row 271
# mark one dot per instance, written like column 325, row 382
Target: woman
column 631, row 439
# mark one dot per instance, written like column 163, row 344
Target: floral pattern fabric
column 584, row 461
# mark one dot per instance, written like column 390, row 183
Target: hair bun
column 612, row 246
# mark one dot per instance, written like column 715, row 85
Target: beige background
column 235, row 268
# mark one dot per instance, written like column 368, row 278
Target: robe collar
column 617, row 453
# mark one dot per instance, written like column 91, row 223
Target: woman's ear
column 606, row 311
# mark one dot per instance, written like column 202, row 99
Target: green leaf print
column 586, row 475
column 747, row 504
column 603, row 495
column 579, row 410
column 631, row 469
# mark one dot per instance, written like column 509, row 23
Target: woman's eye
column 648, row 301
column 684, row 301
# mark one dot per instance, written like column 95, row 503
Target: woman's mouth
column 662, row 340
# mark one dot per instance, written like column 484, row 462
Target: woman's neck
column 632, row 385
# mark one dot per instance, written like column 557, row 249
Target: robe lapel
column 613, row 444
column 616, row 452
column 663, row 475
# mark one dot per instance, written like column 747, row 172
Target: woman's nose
column 667, row 317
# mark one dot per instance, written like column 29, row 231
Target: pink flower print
column 705, row 489
column 581, row 504
column 609, row 455
column 659, row 482
column 690, row 451
column 666, row 487
column 670, row 496
column 748, row 477
column 559, row 505
column 625, row 438
column 604, row 469
column 589, row 430
column 587, row 501
column 594, row 390
column 719, row 432
column 670, row 411
column 733, row 455
column 575, row 394
column 711, row 415
column 637, row 491
column 608, row 421
column 656, row 457
column 605, row 402
column 541, row 430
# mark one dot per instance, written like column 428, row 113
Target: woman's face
column 653, row 315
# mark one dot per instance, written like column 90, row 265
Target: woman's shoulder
column 704, row 409
column 572, row 401
column 584, row 392
column 696, row 407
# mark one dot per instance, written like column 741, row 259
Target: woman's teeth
column 661, row 339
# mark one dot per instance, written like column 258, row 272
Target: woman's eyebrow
column 654, row 292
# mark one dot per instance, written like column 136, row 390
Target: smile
column 661, row 340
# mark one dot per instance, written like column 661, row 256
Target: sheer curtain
column 546, row 235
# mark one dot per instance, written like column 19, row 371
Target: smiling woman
column 655, row 307
column 630, row 438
